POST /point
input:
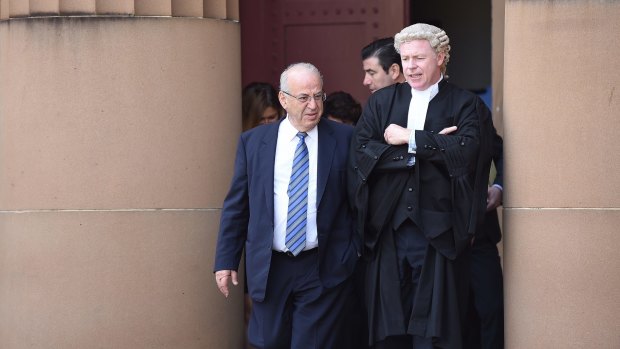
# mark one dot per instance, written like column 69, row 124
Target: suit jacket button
column 410, row 189
column 409, row 208
column 462, row 143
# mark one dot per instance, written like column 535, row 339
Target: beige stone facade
column 562, row 206
column 117, row 138
column 118, row 126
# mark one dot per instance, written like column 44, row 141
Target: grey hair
column 298, row 66
column 437, row 37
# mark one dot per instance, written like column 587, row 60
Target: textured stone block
column 19, row 8
column 115, row 7
column 561, row 278
column 153, row 7
column 215, row 8
column 78, row 7
column 187, row 8
column 44, row 7
column 232, row 9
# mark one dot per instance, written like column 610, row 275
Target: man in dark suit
column 287, row 206
column 419, row 173
column 486, row 301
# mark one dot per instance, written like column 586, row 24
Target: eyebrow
column 310, row 94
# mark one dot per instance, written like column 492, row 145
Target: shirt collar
column 290, row 132
column 431, row 92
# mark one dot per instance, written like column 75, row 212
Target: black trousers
column 357, row 315
column 486, row 298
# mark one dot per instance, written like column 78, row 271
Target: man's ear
column 440, row 58
column 282, row 99
column 394, row 71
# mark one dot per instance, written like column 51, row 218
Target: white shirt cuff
column 412, row 145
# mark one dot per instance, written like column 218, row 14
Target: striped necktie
column 298, row 199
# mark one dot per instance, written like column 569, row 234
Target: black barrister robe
column 451, row 175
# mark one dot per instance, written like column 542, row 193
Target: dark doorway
column 328, row 34
column 468, row 24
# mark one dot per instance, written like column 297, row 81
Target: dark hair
column 343, row 106
column 257, row 97
column 385, row 52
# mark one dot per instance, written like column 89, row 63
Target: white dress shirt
column 417, row 112
column 285, row 152
column 419, row 105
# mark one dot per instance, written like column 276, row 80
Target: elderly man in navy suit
column 287, row 206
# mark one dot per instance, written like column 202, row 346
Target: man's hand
column 396, row 135
column 494, row 198
column 447, row 130
column 222, row 277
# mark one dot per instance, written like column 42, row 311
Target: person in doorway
column 420, row 159
column 259, row 105
column 381, row 64
column 342, row 107
column 485, row 328
column 287, row 206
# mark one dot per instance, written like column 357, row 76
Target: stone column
column 117, row 141
column 562, row 151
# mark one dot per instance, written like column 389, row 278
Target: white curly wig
column 437, row 37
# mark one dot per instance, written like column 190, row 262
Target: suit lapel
column 400, row 110
column 326, row 146
column 433, row 114
column 267, row 156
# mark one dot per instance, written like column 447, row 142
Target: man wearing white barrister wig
column 420, row 160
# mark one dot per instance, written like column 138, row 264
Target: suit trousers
column 298, row 312
column 486, row 300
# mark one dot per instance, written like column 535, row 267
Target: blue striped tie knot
column 298, row 198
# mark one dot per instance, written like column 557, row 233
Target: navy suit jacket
column 247, row 213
